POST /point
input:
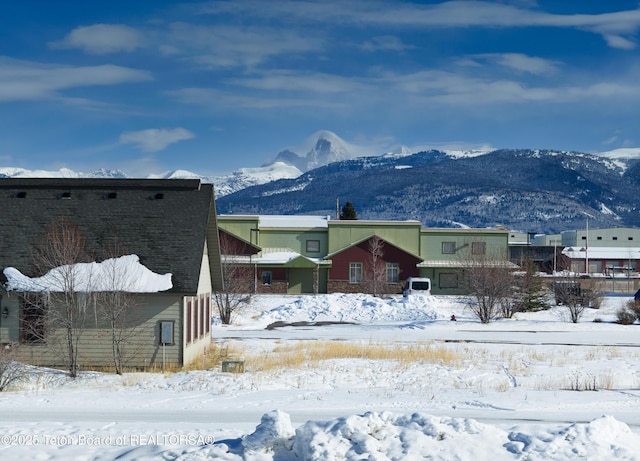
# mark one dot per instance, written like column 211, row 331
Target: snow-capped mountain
column 524, row 189
column 247, row 177
column 322, row 148
column 541, row 190
column 327, row 148
column 10, row 172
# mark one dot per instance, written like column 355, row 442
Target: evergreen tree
column 348, row 212
column 530, row 290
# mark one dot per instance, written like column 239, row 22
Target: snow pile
column 387, row 436
column 358, row 308
column 116, row 274
column 275, row 434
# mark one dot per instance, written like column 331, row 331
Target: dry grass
column 311, row 353
column 213, row 357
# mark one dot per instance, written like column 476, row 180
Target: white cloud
column 384, row 43
column 23, row 80
column 616, row 28
column 228, row 100
column 616, row 41
column 521, row 62
column 227, row 46
column 155, row 139
column 101, row 39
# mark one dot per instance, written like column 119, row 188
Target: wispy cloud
column 618, row 29
column 230, row 100
column 227, row 46
column 24, row 80
column 385, row 43
column 101, row 39
column 155, row 139
column 516, row 61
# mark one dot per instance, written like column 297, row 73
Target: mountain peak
column 323, row 146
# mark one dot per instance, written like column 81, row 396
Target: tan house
column 168, row 226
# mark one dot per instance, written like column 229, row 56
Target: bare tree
column 488, row 278
column 238, row 278
column 117, row 307
column 68, row 290
column 576, row 295
column 376, row 267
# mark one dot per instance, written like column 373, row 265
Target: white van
column 418, row 285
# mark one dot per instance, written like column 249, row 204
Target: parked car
column 420, row 285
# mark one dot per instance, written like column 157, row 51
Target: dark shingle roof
column 164, row 222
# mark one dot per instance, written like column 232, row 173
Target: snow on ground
column 531, row 388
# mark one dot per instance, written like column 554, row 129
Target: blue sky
column 151, row 86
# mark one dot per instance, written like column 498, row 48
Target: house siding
column 339, row 273
column 403, row 234
column 142, row 347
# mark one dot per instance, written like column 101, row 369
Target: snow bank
column 386, row 436
column 358, row 308
column 116, row 274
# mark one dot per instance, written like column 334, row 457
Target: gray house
column 169, row 225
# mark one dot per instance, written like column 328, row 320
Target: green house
column 316, row 254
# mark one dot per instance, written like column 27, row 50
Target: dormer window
column 110, row 195
column 21, row 194
column 158, row 196
column 64, row 195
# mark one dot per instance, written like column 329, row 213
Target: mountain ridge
column 522, row 189
column 540, row 190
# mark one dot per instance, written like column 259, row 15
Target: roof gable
column 164, row 222
column 365, row 239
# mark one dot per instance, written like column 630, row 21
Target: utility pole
column 586, row 247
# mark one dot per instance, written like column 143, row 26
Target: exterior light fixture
column 5, row 312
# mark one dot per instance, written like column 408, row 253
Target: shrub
column 635, row 308
column 626, row 316
column 11, row 372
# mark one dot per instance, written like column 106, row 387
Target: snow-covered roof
column 293, row 221
column 462, row 264
column 620, row 253
column 116, row 274
column 272, row 256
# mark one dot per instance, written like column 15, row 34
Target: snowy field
column 530, row 388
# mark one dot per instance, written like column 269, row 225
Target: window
column 188, row 325
column 478, row 248
column 448, row 247
column 630, row 238
column 393, row 272
column 266, row 277
column 355, row 272
column 208, row 315
column 448, row 280
column 313, row 246
column 615, row 238
column 598, row 237
column 203, row 317
column 33, row 320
